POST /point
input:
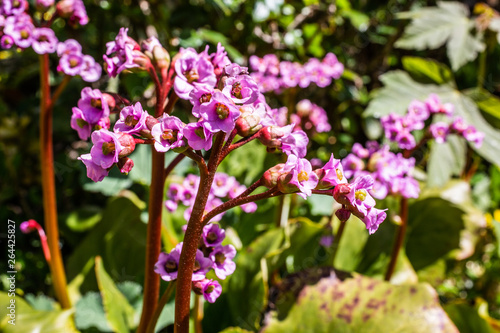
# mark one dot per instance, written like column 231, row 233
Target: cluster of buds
column 211, row 254
column 273, row 75
column 399, row 128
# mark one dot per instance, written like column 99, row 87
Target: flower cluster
column 126, row 52
column 92, row 112
column 17, row 29
column 223, row 187
column 310, row 117
column 211, row 254
column 391, row 173
column 399, row 128
column 273, row 75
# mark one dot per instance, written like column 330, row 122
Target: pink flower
column 301, row 175
column 106, row 148
column 132, row 119
column 439, row 131
column 223, row 264
column 210, row 289
column 192, row 67
column 94, row 171
column 219, row 114
column 44, row 41
column 168, row 133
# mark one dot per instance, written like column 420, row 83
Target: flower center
column 211, row 237
column 130, row 121
column 340, row 176
column 191, row 75
column 361, row 194
column 73, row 62
column 236, row 90
column 209, row 289
column 81, row 123
column 24, row 34
column 171, row 266
column 220, row 258
column 199, row 132
column 205, row 98
column 169, row 135
column 221, row 110
column 108, row 148
column 43, row 38
column 94, row 102
column 303, row 176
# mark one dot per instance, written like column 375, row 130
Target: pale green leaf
column 446, row 160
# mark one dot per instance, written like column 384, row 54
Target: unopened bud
column 150, row 122
column 340, row 193
column 110, row 100
column 125, row 164
column 270, row 177
column 161, row 57
column 140, row 59
column 248, row 124
column 270, row 135
column 284, row 184
column 128, row 143
column 343, row 214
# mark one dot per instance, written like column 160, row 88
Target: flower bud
column 110, row 100
column 161, row 57
column 128, row 143
column 321, row 185
column 248, row 124
column 340, row 193
column 270, row 135
column 284, row 184
column 125, row 164
column 140, row 59
column 270, row 177
column 151, row 121
column 343, row 214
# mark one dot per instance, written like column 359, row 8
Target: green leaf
column 40, row 302
column 400, row 89
column 488, row 104
column 119, row 238
column 234, row 330
column 431, row 27
column 434, row 230
column 89, row 312
column 427, row 70
column 83, row 218
column 215, row 37
column 321, row 205
column 27, row 319
column 446, row 160
column 249, row 282
column 119, row 312
column 246, row 162
column 467, row 318
column 362, row 304
column 109, row 185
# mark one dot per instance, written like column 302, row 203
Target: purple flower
column 294, row 142
column 334, row 173
column 106, row 148
column 168, row 133
column 213, row 235
column 458, row 125
column 201, row 266
column 192, row 67
column 472, row 135
column 74, row 9
column 210, row 289
column 333, row 67
column 13, row 7
column 233, row 69
column 242, row 89
column 418, row 111
column 123, row 47
column 435, row 106
column 44, row 41
column 198, row 136
column 406, row 140
column 220, row 113
column 132, row 119
column 359, row 196
column 351, row 165
column 302, row 175
column 168, row 264
column 219, row 59
column 21, row 31
column 71, row 64
column 93, row 105
column 68, row 46
column 439, row 131
column 222, row 184
column 80, row 124
column 200, row 94
column 373, row 219
column 94, row 171
column 406, row 186
column 90, row 70
column 6, row 42
column 223, row 264
column 360, row 151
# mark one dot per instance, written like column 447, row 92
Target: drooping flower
column 106, row 148
column 93, row 105
column 168, row 264
column 333, row 174
column 210, row 289
column 299, row 174
column 198, row 136
column 80, row 124
column 201, row 266
column 213, row 235
column 168, row 133
column 132, row 119
column 94, row 171
column 223, row 264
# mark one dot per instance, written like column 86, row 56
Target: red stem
column 192, row 238
column 48, row 186
column 153, row 245
column 400, row 236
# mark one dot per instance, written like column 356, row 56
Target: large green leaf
column 468, row 318
column 27, row 319
column 446, row 160
column 248, row 282
column 434, row 230
column 89, row 312
column 427, row 70
column 431, row 27
column 362, row 304
column 119, row 238
column 119, row 312
column 488, row 104
column 400, row 89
